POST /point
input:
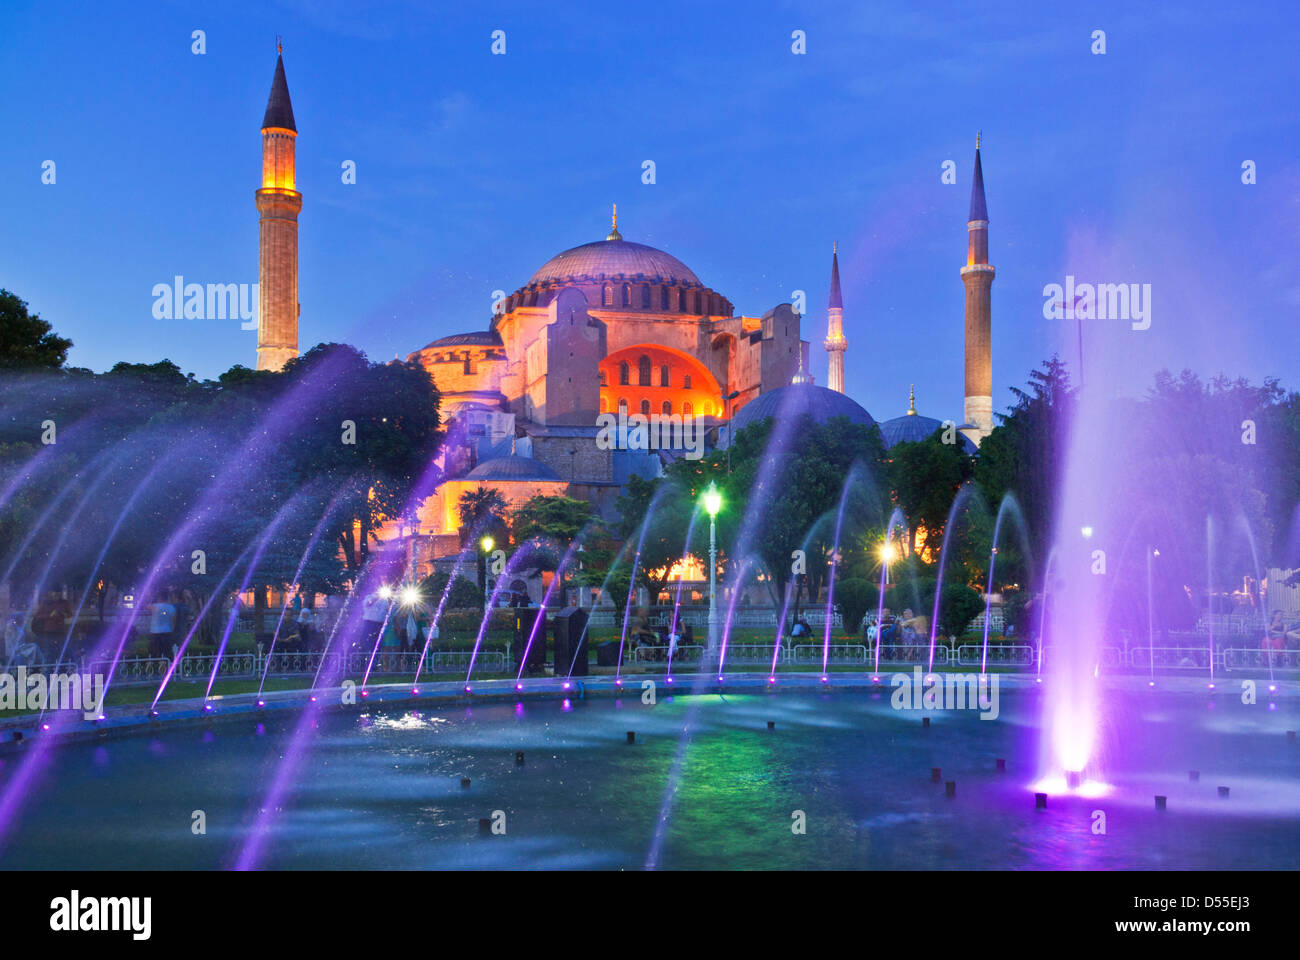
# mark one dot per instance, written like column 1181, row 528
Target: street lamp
column 887, row 554
column 487, row 543
column 712, row 504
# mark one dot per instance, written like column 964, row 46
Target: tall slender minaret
column 977, row 276
column 278, row 204
column 835, row 343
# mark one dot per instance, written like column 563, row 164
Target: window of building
column 645, row 408
column 663, row 298
column 681, row 300
column 687, row 409
column 645, row 297
column 608, row 298
column 604, row 379
column 627, row 295
column 623, row 374
column 664, row 379
column 622, row 405
column 668, row 408
column 686, row 381
column 643, row 371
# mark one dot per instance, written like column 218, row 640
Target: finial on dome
column 613, row 232
column 978, row 134
column 800, row 376
column 911, row 400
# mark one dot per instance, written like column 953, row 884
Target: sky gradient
column 474, row 169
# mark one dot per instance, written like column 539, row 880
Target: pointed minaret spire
column 977, row 276
column 278, row 205
column 835, row 343
column 978, row 209
column 613, row 230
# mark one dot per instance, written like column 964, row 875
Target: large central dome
column 615, row 258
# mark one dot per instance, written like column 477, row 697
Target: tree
column 27, row 341
column 1025, row 454
column 853, row 598
column 926, row 476
column 482, row 514
column 464, row 595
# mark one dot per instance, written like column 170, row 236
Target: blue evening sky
column 474, row 169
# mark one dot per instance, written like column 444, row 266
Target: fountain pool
column 381, row 787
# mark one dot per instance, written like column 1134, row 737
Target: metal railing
column 1019, row 657
column 1000, row 654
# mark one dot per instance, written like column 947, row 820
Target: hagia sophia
column 609, row 326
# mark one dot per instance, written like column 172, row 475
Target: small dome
column 798, row 399
column 913, row 428
column 514, row 468
column 613, row 258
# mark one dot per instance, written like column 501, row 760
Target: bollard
column 631, row 736
column 464, row 782
column 1040, row 801
column 771, row 724
column 17, row 736
column 925, row 722
column 1194, row 775
column 935, row 775
column 1001, row 765
column 1160, row 802
column 1223, row 791
column 950, row 788
column 485, row 826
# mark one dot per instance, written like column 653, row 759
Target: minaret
column 977, row 276
column 278, row 204
column 835, row 343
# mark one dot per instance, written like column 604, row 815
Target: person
column 305, row 624
column 916, row 629
column 162, row 627
column 801, row 629
column 376, row 611
column 1281, row 635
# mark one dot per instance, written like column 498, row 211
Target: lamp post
column 487, row 543
column 712, row 504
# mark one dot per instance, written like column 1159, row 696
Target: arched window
column 697, row 302
column 604, row 405
column 686, row 381
column 645, row 408
column 663, row 298
column 681, row 300
column 687, row 409
column 623, row 372
column 668, row 408
column 664, row 379
column 627, row 295
column 608, row 297
column 604, row 379
column 645, row 297
column 643, row 371
column 622, row 405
